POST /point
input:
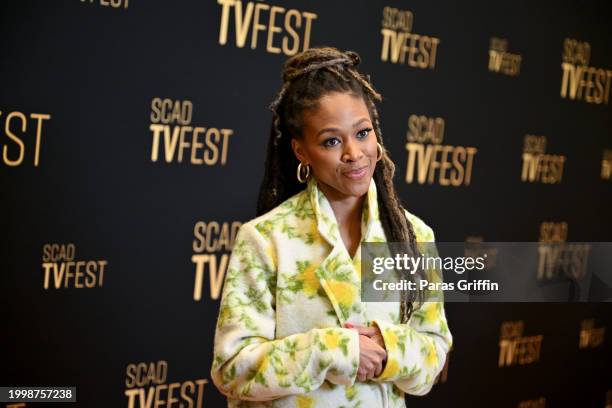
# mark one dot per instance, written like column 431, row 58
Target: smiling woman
column 342, row 152
column 292, row 328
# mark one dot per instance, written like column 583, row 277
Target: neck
column 347, row 209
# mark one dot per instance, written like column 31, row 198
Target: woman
column 292, row 330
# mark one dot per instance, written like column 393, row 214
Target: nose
column 352, row 152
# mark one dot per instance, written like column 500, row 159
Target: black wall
column 85, row 74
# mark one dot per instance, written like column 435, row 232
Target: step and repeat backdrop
column 133, row 135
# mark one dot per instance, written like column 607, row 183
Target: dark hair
column 307, row 77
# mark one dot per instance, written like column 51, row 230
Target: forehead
column 337, row 110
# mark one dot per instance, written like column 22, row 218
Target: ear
column 298, row 150
column 379, row 152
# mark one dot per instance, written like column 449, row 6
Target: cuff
column 394, row 351
column 340, row 351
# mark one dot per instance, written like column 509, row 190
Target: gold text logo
column 61, row 270
column 579, row 81
column 539, row 167
column 146, row 387
column 173, row 135
column 558, row 260
column 500, row 60
column 431, row 162
column 291, row 27
column 401, row 45
column 515, row 348
column 212, row 244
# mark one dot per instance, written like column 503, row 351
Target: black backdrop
column 80, row 80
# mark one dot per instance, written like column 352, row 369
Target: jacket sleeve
column 249, row 362
column 417, row 350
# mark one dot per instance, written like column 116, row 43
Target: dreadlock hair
column 307, row 77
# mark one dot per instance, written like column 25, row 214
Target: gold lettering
column 292, row 14
column 15, row 138
column 250, row 20
column 272, row 28
column 216, row 274
column 225, row 4
column 420, row 50
column 242, row 25
column 429, row 167
column 256, row 25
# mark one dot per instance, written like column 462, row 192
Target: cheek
column 372, row 149
column 326, row 161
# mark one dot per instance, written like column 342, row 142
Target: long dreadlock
column 306, row 78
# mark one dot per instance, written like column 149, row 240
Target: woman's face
column 339, row 143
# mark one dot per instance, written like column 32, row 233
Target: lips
column 357, row 173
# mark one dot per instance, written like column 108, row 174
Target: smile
column 356, row 174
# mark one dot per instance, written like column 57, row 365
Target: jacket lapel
column 339, row 275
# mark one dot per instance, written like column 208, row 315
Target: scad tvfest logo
column 579, row 81
column 515, row 348
column 430, row 161
column 502, row 61
column 62, row 270
column 539, row 166
column 557, row 260
column 146, row 386
column 176, row 140
column 401, row 46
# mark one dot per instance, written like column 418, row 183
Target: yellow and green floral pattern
column 290, row 287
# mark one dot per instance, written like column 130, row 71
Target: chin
column 358, row 188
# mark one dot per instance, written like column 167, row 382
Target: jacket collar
column 326, row 219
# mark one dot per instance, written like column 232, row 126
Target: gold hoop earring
column 379, row 149
column 303, row 178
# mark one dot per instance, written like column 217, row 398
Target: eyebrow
column 359, row 122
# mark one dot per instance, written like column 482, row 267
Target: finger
column 366, row 373
column 367, row 331
column 377, row 346
column 379, row 340
column 380, row 343
column 349, row 325
column 383, row 354
column 373, row 370
column 379, row 369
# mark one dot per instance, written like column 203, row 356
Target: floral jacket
column 289, row 289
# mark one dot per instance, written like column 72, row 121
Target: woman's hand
column 372, row 353
column 373, row 333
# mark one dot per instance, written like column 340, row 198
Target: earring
column 380, row 150
column 300, row 177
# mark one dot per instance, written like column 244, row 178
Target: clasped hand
column 372, row 352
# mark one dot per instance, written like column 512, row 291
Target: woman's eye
column 331, row 142
column 362, row 134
